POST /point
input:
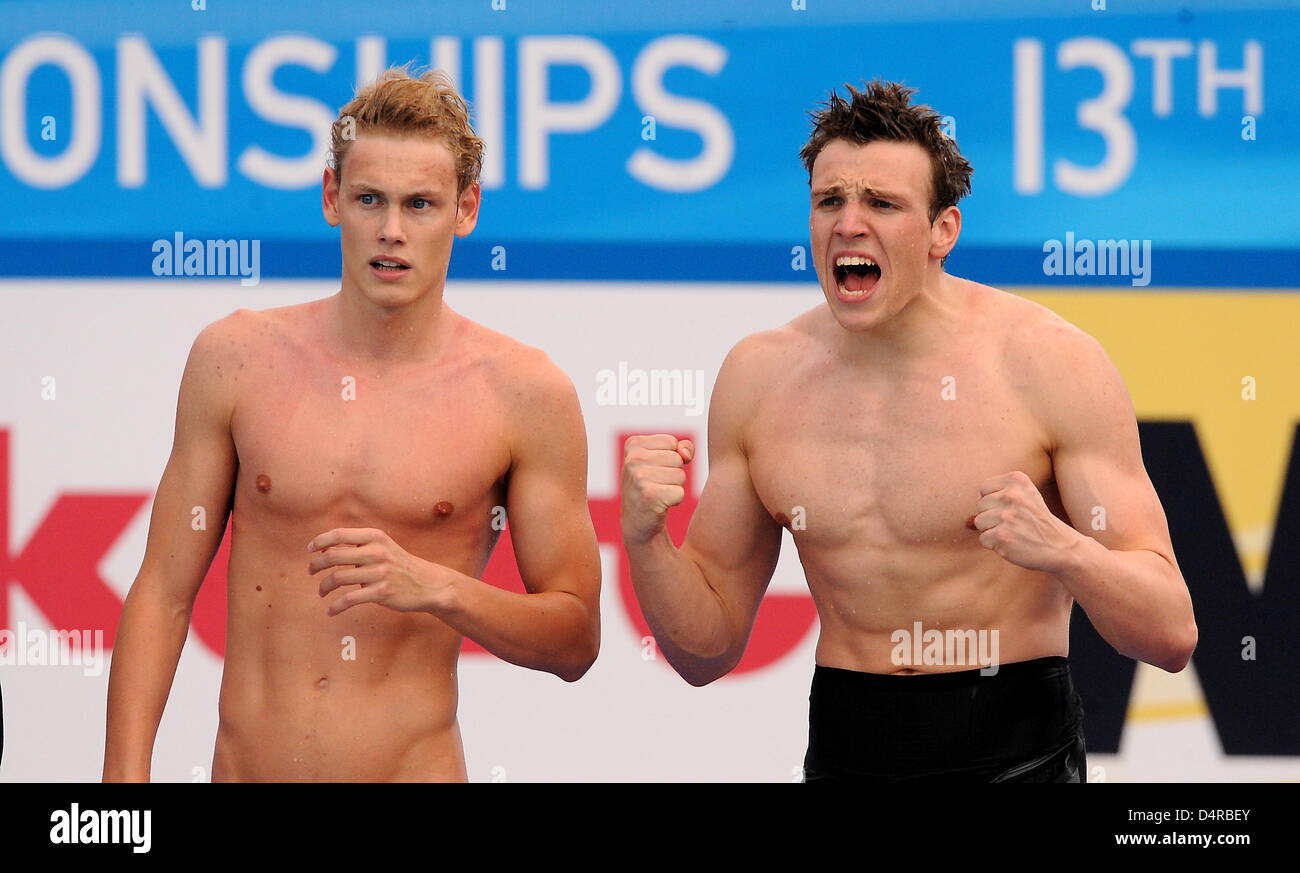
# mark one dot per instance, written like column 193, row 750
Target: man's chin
column 854, row 318
column 386, row 295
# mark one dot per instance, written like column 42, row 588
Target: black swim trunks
column 1021, row 724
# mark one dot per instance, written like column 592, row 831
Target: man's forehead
column 878, row 166
column 397, row 159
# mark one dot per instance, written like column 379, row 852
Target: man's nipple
column 263, row 483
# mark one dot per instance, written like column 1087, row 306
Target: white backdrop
column 117, row 349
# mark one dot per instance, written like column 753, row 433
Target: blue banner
column 658, row 140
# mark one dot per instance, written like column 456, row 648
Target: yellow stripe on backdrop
column 1201, row 356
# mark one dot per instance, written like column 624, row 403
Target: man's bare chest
column 845, row 465
column 411, row 451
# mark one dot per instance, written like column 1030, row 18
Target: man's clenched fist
column 654, row 478
column 1014, row 521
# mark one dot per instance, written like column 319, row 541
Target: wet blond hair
column 403, row 104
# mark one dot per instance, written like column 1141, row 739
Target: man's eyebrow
column 367, row 188
column 886, row 195
column 870, row 192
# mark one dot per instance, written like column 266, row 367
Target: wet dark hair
column 883, row 111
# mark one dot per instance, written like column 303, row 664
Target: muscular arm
column 156, row 615
column 555, row 626
column 701, row 600
column 1124, row 574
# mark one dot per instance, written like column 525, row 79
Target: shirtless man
column 373, row 443
column 883, row 421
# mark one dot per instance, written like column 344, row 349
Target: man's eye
column 829, row 201
column 884, row 203
column 419, row 202
column 366, row 198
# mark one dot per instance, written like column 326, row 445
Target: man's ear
column 944, row 231
column 467, row 209
column 329, row 197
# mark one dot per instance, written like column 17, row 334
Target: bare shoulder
column 231, row 353
column 242, row 334
column 211, row 382
column 230, row 341
column 292, row 324
column 1034, row 341
column 1060, row 370
column 766, row 354
column 755, row 369
column 522, row 375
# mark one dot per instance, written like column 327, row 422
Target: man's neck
column 362, row 331
column 926, row 323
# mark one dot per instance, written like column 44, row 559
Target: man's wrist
column 653, row 542
column 442, row 584
column 1079, row 560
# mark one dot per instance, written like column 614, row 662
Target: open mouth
column 388, row 266
column 856, row 275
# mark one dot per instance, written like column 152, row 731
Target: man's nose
column 391, row 230
column 852, row 220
